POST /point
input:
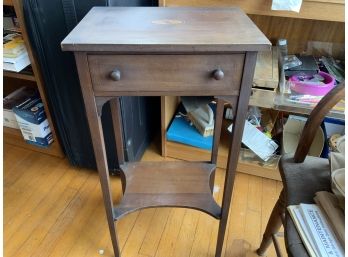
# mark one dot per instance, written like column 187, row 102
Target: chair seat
column 301, row 181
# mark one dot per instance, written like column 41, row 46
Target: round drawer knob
column 218, row 74
column 115, row 75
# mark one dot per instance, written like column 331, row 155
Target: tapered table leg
column 233, row 154
column 96, row 130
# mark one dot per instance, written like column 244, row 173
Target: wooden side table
column 158, row 52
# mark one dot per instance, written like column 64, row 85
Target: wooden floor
column 54, row 209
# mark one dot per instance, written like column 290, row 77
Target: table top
column 156, row 29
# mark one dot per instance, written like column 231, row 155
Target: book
column 301, row 227
column 13, row 45
column 16, row 64
column 315, row 231
column 182, row 131
column 15, row 98
column 328, row 202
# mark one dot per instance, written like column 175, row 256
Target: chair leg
column 273, row 224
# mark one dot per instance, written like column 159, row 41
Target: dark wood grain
column 216, row 138
column 118, row 128
column 237, row 133
column 217, row 129
column 169, row 184
column 166, row 73
column 95, row 127
column 165, row 30
column 158, row 51
column 118, row 134
column 315, row 119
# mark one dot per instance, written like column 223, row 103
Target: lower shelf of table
column 167, row 184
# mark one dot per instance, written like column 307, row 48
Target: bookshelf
column 248, row 162
column 19, row 75
column 14, row 136
column 8, row 2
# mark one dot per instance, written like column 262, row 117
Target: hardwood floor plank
column 187, row 234
column 253, row 215
column 124, row 228
column 94, row 228
column 235, row 243
column 73, row 214
column 200, row 246
column 58, row 209
column 171, row 232
column 206, row 223
column 22, row 201
column 155, row 231
column 12, row 158
column 138, row 232
column 78, row 224
column 255, row 193
column 46, row 213
column 54, row 209
column 269, row 198
column 25, row 170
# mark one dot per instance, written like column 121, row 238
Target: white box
column 32, row 121
column 10, row 119
column 13, row 99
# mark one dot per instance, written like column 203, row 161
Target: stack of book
column 320, row 225
column 15, row 98
column 16, row 57
column 181, row 130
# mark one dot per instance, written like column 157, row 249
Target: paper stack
column 15, row 54
column 320, row 226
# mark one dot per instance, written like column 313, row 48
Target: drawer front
column 167, row 74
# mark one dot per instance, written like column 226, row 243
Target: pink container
column 305, row 88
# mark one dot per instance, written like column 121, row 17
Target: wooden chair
column 302, row 177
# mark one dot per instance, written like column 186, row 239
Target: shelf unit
column 326, row 10
column 248, row 162
column 318, row 20
column 14, row 136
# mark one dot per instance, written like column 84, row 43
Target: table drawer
column 155, row 74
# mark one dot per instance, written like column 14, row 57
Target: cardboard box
column 291, row 136
column 10, row 101
column 33, row 122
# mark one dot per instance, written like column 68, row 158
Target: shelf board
column 19, row 75
column 281, row 103
column 8, row 2
column 14, row 137
column 248, row 162
column 13, row 30
column 167, row 184
column 327, row 10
